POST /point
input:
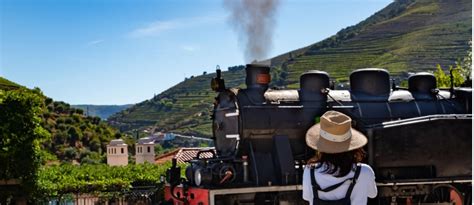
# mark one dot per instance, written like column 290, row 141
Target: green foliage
column 236, row 68
column 461, row 73
column 7, row 85
column 56, row 181
column 88, row 157
column 279, row 75
column 465, row 66
column 70, row 130
column 21, row 135
column 444, row 80
column 158, row 149
column 404, row 83
column 47, row 156
column 70, row 153
column 73, row 133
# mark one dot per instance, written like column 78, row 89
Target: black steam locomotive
column 419, row 139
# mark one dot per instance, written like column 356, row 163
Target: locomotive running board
column 424, row 182
column 197, row 195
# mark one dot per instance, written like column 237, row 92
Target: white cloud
column 155, row 28
column 189, row 48
column 158, row 27
column 95, row 42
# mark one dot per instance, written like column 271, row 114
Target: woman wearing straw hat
column 328, row 178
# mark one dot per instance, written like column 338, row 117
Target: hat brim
column 316, row 142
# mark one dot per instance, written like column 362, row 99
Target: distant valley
column 102, row 111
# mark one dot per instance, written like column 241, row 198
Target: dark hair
column 339, row 164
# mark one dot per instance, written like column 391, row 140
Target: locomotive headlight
column 202, row 176
column 197, row 177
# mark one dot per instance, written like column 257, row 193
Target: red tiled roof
column 183, row 155
column 166, row 157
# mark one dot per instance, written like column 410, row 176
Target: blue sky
column 125, row 51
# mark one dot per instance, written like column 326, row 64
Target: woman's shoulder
column 366, row 170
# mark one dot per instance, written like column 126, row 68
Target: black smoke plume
column 254, row 21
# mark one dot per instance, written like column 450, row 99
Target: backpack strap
column 335, row 186
column 354, row 180
column 314, row 184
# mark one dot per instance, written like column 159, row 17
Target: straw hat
column 334, row 134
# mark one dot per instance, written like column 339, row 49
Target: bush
column 88, row 160
column 80, row 111
column 55, row 181
column 20, row 153
column 68, row 121
column 444, row 80
column 70, row 153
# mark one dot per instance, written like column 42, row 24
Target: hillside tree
column 21, row 135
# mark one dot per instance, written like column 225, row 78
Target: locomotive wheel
column 444, row 193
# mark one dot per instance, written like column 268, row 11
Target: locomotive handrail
column 279, row 106
column 419, row 119
column 226, row 108
column 343, row 106
column 198, row 155
column 290, row 106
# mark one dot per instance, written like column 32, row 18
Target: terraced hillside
column 416, row 37
column 7, row 85
column 184, row 108
column 407, row 35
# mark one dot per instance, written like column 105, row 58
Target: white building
column 145, row 150
column 117, row 153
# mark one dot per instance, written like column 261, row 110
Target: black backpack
column 344, row 201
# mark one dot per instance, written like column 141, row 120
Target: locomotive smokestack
column 311, row 85
column 257, row 80
column 258, row 76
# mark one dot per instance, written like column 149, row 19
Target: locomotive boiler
column 419, row 139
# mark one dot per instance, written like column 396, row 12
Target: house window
column 122, row 150
column 148, row 149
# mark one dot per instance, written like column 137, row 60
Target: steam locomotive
column 419, row 139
